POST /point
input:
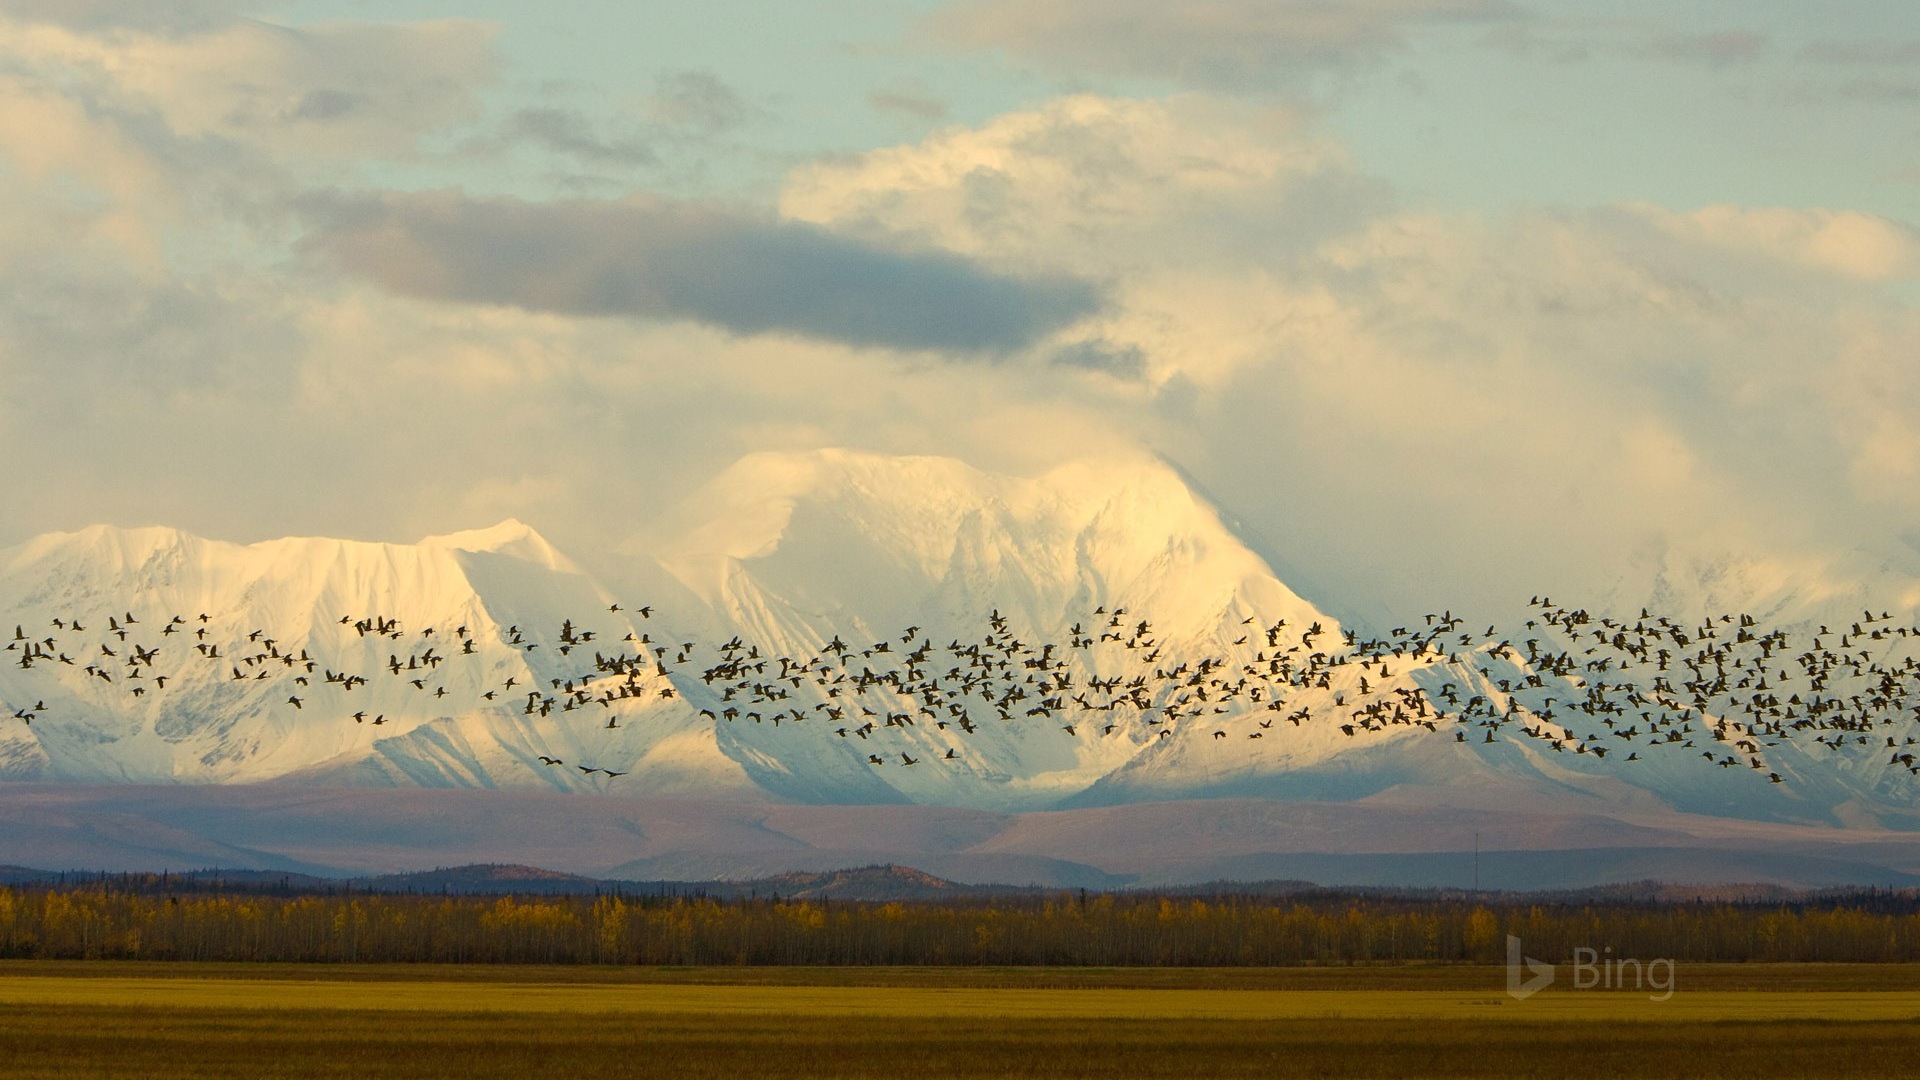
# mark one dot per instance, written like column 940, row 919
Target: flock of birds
column 1724, row 689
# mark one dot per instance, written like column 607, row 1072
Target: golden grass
column 1810, row 978
column 930, row 1002
column 60, row 1043
column 212, row 1022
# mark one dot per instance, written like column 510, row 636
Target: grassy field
column 1467, row 978
column 179, row 1020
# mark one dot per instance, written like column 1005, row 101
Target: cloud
column 1120, row 361
column 568, row 131
column 1879, row 91
column 347, row 91
column 699, row 101
column 1189, row 204
column 171, row 16
column 1863, row 53
column 1717, row 49
column 1568, row 40
column 1428, row 407
column 659, row 259
column 1113, row 184
column 145, row 150
column 672, row 135
column 919, row 106
column 1481, row 402
column 1209, row 44
column 166, row 359
column 1863, row 246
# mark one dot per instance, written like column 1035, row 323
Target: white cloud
column 167, row 360
column 1438, row 405
column 1187, row 205
column 1088, row 181
column 1844, row 242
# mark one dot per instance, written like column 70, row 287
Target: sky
column 1447, row 301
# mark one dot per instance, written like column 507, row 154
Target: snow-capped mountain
column 1832, row 587
column 792, row 551
column 155, row 656
column 830, row 627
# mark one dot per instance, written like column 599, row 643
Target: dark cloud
column 1214, row 44
column 658, row 259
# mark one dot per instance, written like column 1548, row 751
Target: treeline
column 1100, row 930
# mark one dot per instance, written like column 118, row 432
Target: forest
column 1327, row 928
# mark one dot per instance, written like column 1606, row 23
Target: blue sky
column 1636, row 281
column 1561, row 103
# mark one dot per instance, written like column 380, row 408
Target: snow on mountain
column 786, row 551
column 792, row 551
column 1833, row 587
column 878, row 542
column 166, row 657
column 841, row 627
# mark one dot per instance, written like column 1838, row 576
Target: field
column 184, row 1020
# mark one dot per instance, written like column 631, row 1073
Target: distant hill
column 482, row 878
column 877, row 883
column 890, row 883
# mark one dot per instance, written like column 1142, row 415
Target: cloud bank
column 219, row 309
column 1420, row 400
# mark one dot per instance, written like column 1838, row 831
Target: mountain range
column 149, row 656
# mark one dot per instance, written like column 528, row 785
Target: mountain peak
column 857, row 535
column 512, row 537
column 918, row 501
column 104, row 537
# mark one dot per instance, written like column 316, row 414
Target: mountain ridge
column 469, row 650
